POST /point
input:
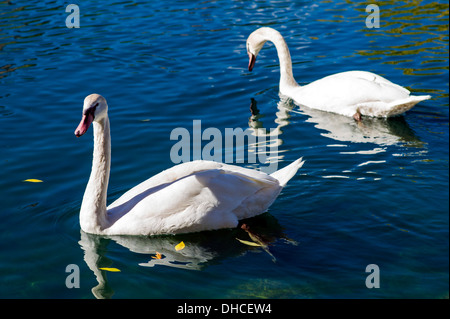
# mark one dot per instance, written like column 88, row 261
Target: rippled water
column 371, row 194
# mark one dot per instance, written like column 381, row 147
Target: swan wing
column 197, row 196
column 167, row 176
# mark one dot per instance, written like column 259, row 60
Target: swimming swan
column 189, row 197
column 351, row 93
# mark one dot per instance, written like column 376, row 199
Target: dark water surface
column 376, row 194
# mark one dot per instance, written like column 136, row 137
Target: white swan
column 194, row 196
column 352, row 93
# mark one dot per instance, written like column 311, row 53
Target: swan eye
column 91, row 110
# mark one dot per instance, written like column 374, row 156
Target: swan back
column 347, row 93
column 193, row 196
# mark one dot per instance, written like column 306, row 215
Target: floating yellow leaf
column 180, row 246
column 158, row 256
column 250, row 243
column 110, row 269
column 33, row 180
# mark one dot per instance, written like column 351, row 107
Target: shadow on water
column 201, row 249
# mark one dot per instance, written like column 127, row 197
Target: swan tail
column 402, row 106
column 419, row 98
column 381, row 109
column 285, row 174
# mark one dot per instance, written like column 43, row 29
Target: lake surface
column 370, row 194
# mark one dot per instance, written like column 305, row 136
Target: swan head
column 256, row 41
column 95, row 109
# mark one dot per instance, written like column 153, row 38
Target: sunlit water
column 370, row 194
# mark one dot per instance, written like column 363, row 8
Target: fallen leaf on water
column 110, row 269
column 158, row 256
column 180, row 246
column 33, row 180
column 250, row 243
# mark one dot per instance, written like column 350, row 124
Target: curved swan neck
column 93, row 209
column 287, row 80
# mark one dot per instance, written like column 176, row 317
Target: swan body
column 189, row 197
column 351, row 93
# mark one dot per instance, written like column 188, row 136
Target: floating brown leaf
column 157, row 256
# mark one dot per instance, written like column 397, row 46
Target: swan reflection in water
column 381, row 131
column 201, row 249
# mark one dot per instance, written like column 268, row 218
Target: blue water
column 376, row 194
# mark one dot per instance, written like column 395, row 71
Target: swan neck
column 287, row 80
column 93, row 209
